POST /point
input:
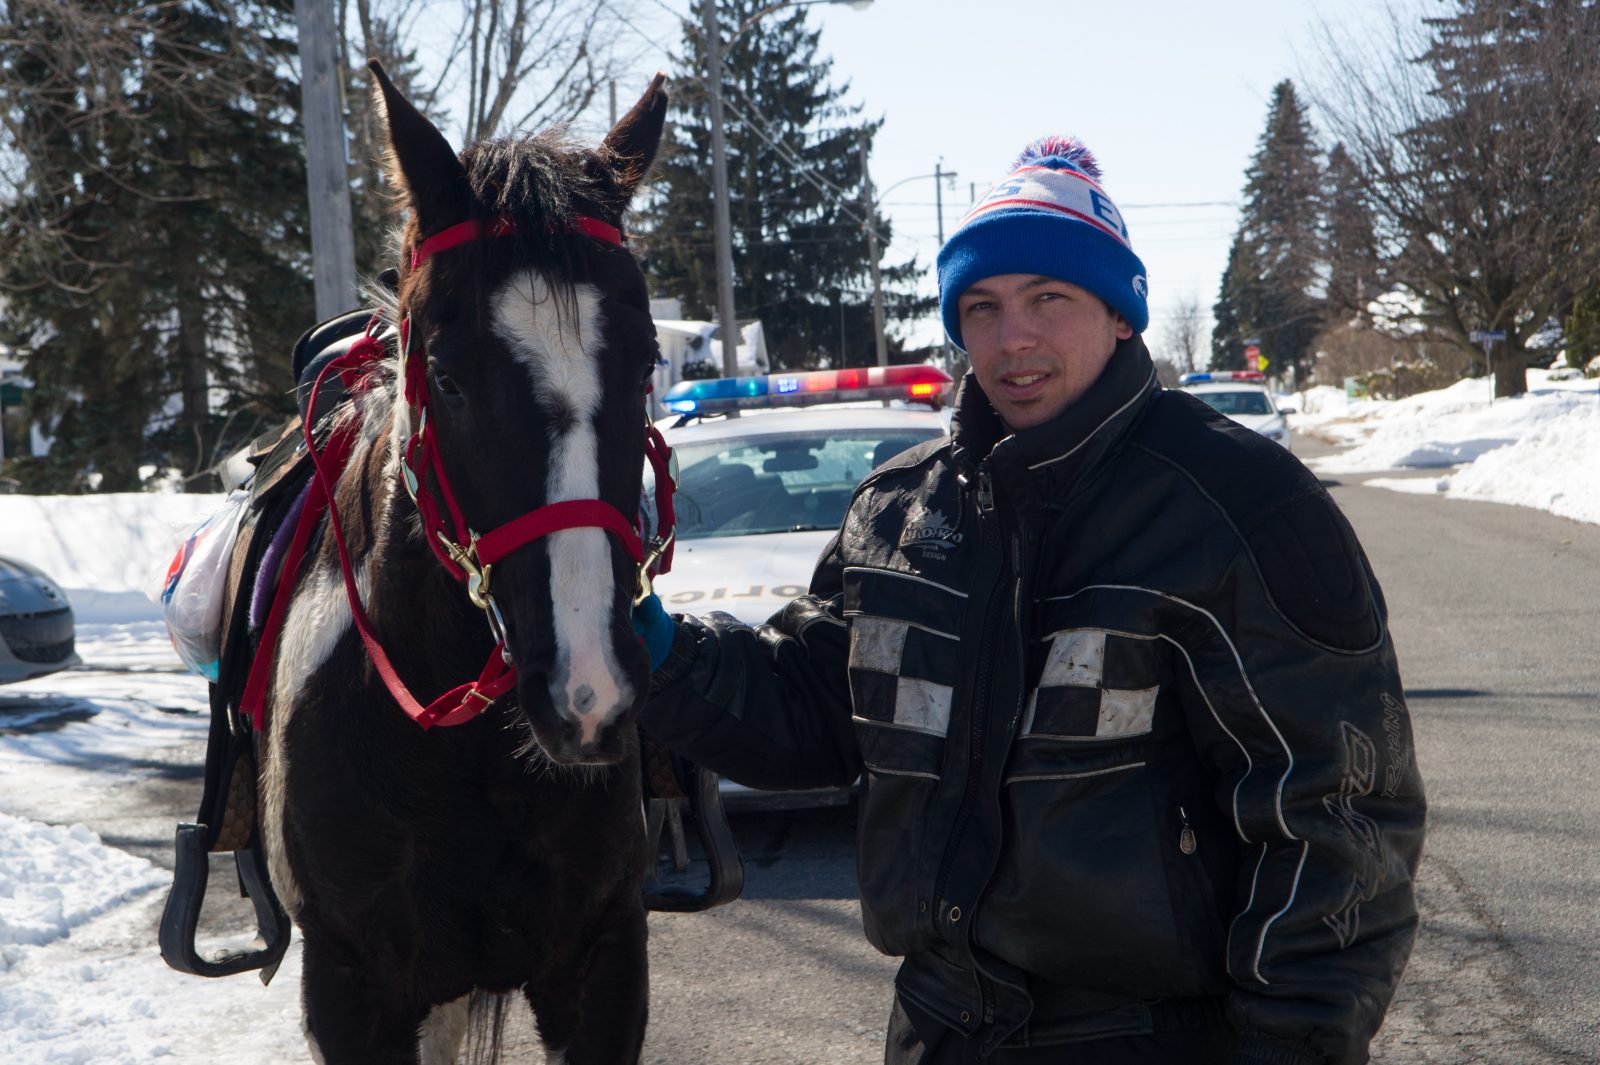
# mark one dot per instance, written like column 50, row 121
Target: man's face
column 1036, row 344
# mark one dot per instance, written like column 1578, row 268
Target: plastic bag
column 192, row 591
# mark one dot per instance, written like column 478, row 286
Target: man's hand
column 655, row 628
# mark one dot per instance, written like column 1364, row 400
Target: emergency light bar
column 917, row 384
column 1221, row 375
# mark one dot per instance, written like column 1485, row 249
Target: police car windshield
column 1246, row 402
column 795, row 482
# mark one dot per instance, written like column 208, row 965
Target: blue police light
column 1221, row 375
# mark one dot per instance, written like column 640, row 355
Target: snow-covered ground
column 80, row 979
column 1538, row 450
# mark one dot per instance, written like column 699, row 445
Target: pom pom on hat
column 1049, row 217
column 1069, row 150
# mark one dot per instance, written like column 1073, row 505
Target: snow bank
column 53, row 879
column 104, row 550
column 1538, row 450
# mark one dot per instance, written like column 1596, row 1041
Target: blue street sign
column 1481, row 335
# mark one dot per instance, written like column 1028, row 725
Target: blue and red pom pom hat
column 1049, row 217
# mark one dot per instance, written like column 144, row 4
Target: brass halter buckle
column 658, row 547
column 477, row 583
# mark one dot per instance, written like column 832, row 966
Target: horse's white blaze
column 318, row 617
column 439, row 1040
column 562, row 354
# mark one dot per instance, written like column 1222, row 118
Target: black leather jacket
column 1134, row 738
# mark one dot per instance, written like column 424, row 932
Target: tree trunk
column 190, row 299
column 1510, row 372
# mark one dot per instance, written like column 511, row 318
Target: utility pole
column 722, row 222
column 945, row 355
column 870, row 222
column 333, row 248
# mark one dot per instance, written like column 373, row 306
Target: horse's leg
column 439, row 1042
column 596, row 1014
column 348, row 1018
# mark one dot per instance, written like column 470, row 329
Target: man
column 1138, row 783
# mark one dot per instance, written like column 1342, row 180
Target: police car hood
column 1256, row 422
column 750, row 577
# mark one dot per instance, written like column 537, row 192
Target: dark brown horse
column 502, row 853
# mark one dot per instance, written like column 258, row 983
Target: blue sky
column 1171, row 96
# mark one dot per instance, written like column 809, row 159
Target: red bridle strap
column 499, row 542
column 476, row 229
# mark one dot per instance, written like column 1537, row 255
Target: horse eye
column 444, row 382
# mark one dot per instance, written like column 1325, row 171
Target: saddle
column 227, row 821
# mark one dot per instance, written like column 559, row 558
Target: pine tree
column 157, row 262
column 1235, row 298
column 1272, row 277
column 794, row 175
column 1355, row 273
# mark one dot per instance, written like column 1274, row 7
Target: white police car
column 1243, row 396
column 760, row 495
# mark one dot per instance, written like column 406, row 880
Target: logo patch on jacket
column 930, row 532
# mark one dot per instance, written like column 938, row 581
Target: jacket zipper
column 983, row 683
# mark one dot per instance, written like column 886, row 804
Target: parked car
column 759, row 496
column 36, row 623
column 1243, row 396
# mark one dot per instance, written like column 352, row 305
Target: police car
column 1243, row 396
column 760, row 495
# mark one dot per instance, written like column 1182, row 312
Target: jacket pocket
column 1093, row 889
column 894, row 817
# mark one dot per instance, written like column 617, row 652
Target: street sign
column 1479, row 336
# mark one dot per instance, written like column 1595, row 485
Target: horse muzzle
column 583, row 707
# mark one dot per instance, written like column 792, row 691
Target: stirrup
column 181, row 917
column 667, row 794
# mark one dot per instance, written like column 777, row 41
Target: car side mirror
column 1288, row 410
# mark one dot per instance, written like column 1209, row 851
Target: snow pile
column 1538, row 450
column 104, row 550
column 53, row 879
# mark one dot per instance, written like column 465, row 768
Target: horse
column 492, row 840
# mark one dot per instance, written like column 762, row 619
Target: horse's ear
column 632, row 143
column 420, row 160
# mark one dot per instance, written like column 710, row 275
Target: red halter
column 465, row 554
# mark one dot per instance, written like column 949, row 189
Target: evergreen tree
column 1236, row 297
column 794, row 176
column 156, row 264
column 1355, row 274
column 1582, row 329
column 1272, row 277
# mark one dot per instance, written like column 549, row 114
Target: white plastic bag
column 191, row 593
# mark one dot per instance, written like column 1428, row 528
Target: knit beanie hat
column 1049, row 217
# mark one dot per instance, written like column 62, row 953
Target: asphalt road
column 1497, row 620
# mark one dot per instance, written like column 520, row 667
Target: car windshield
column 796, row 482
column 1247, row 402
